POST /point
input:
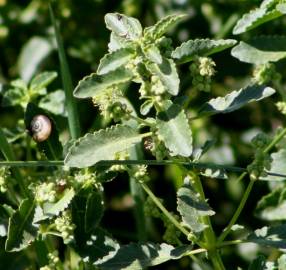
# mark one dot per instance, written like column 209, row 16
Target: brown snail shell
column 41, row 128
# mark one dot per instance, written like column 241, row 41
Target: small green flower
column 65, row 226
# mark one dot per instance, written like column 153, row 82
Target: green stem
column 9, row 156
column 242, row 203
column 164, row 210
column 141, row 121
column 73, row 117
column 238, row 210
column 209, row 235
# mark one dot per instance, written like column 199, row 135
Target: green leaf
column 200, row 47
column 15, row 96
column 51, row 210
column 161, row 27
column 153, row 54
column 5, row 212
column 95, row 84
column 52, row 147
column 94, row 210
column 139, row 256
column 168, row 75
column 174, row 130
column 96, row 246
column 34, row 52
column 277, row 166
column 43, row 80
column 261, row 50
column 281, row 7
column 258, row 264
column 146, row 107
column 123, row 26
column 101, row 145
column 236, row 99
column 273, row 205
column 114, row 60
column 21, row 231
column 192, row 207
column 255, row 18
column 54, row 102
column 269, row 236
column 116, row 42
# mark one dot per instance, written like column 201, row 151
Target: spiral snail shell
column 41, row 128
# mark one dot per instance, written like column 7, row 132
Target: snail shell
column 41, row 128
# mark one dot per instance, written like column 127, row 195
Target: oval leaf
column 101, row 145
column 174, row 129
column 200, row 47
column 94, row 84
column 43, row 80
column 114, row 60
column 236, row 99
column 140, row 256
column 261, row 50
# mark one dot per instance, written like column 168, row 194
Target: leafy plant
column 148, row 120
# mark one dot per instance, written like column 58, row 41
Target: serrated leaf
column 277, row 166
column 32, row 55
column 114, row 60
column 96, row 246
column 269, row 236
column 123, row 26
column 94, row 210
column 236, row 99
column 258, row 264
column 101, row 145
column 54, row 102
column 52, row 147
column 167, row 72
column 95, row 84
column 255, row 18
column 162, row 26
column 192, row 207
column 261, row 50
column 174, row 130
column 146, row 107
column 153, row 54
column 138, row 256
column 51, row 210
column 200, row 47
column 21, row 231
column 272, row 206
column 42, row 80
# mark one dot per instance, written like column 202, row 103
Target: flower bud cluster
column 120, row 156
column 202, row 70
column 140, row 173
column 262, row 160
column 118, row 111
column 157, row 147
column 265, row 73
column 281, row 106
column 65, row 226
column 45, row 192
column 53, row 259
column 4, row 173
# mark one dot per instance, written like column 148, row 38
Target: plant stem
column 238, row 210
column 140, row 120
column 242, row 203
column 9, row 156
column 209, row 235
column 73, row 117
column 164, row 210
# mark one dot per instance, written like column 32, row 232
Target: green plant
column 69, row 202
